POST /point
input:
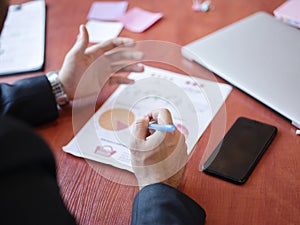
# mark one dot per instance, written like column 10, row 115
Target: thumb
column 82, row 40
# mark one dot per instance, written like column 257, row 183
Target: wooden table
column 272, row 193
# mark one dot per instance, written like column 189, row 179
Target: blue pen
column 162, row 127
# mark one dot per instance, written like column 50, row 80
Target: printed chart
column 116, row 119
column 193, row 102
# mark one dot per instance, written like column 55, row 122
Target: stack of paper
column 107, row 19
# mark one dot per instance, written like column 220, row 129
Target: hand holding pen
column 161, row 120
column 158, row 150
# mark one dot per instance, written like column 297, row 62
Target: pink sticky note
column 138, row 20
column 107, row 10
column 289, row 12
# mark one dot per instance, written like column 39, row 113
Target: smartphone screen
column 239, row 151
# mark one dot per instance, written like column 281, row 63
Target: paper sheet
column 102, row 31
column 107, row 10
column 193, row 103
column 23, row 38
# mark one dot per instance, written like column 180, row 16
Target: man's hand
column 157, row 156
column 79, row 59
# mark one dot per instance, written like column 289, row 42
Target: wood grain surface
column 100, row 194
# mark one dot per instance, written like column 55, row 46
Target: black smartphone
column 239, row 151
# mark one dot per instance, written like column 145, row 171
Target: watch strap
column 57, row 88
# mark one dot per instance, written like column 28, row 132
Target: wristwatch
column 57, row 88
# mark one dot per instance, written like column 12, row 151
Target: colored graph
column 116, row 119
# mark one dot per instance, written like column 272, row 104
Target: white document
column 22, row 41
column 103, row 31
column 193, row 103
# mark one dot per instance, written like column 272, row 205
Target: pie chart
column 116, row 119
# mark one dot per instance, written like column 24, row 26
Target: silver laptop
column 261, row 56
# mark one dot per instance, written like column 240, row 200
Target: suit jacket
column 30, row 100
column 29, row 193
column 162, row 204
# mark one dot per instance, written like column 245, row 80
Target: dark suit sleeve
column 161, row 204
column 30, row 100
column 29, row 193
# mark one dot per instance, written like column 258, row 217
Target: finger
column 140, row 129
column 82, row 41
column 120, row 55
column 99, row 49
column 162, row 116
column 125, row 68
column 121, row 41
column 115, row 80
